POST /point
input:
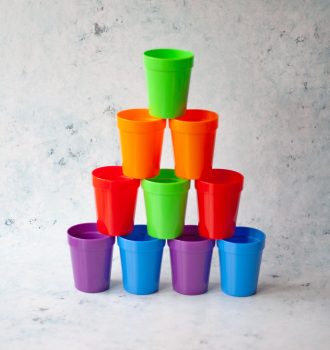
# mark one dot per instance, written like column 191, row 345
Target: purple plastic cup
column 190, row 261
column 91, row 256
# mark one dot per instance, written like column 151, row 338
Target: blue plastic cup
column 141, row 259
column 240, row 260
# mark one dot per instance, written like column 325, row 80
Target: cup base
column 92, row 290
column 163, row 237
column 239, row 295
column 140, row 292
column 192, row 293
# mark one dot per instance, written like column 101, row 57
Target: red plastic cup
column 218, row 196
column 115, row 198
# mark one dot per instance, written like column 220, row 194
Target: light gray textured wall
column 68, row 66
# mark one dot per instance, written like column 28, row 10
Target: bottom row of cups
column 141, row 258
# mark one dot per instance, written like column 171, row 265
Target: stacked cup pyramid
column 165, row 191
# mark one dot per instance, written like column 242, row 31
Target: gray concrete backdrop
column 67, row 67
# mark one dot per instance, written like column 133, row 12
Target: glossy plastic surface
column 141, row 258
column 91, row 255
column 141, row 138
column 190, row 262
column 193, row 138
column 168, row 77
column 165, row 199
column 240, row 260
column 218, row 196
column 115, row 198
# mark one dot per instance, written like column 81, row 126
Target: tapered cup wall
column 141, row 138
column 115, row 198
column 165, row 199
column 190, row 262
column 218, row 196
column 193, row 138
column 240, row 260
column 141, row 258
column 91, row 256
column 168, row 77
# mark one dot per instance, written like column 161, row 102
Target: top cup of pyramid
column 168, row 77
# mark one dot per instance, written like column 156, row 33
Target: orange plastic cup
column 193, row 138
column 141, row 138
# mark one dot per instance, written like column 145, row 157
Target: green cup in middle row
column 165, row 198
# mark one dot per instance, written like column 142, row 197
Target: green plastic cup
column 165, row 198
column 168, row 77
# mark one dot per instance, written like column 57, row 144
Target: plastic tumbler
column 240, row 259
column 218, row 195
column 165, row 198
column 168, row 77
column 91, row 256
column 141, row 258
column 190, row 262
column 193, row 138
column 115, row 198
column 141, row 138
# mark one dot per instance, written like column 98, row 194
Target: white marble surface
column 66, row 67
column 41, row 310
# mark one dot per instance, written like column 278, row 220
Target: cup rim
column 198, row 245
column 115, row 175
column 258, row 242
column 136, row 229
column 196, row 116
column 195, row 121
column 167, row 59
column 140, row 115
column 208, row 182
column 151, row 243
column 175, row 185
column 168, row 174
column 139, row 120
column 182, row 54
column 74, row 231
